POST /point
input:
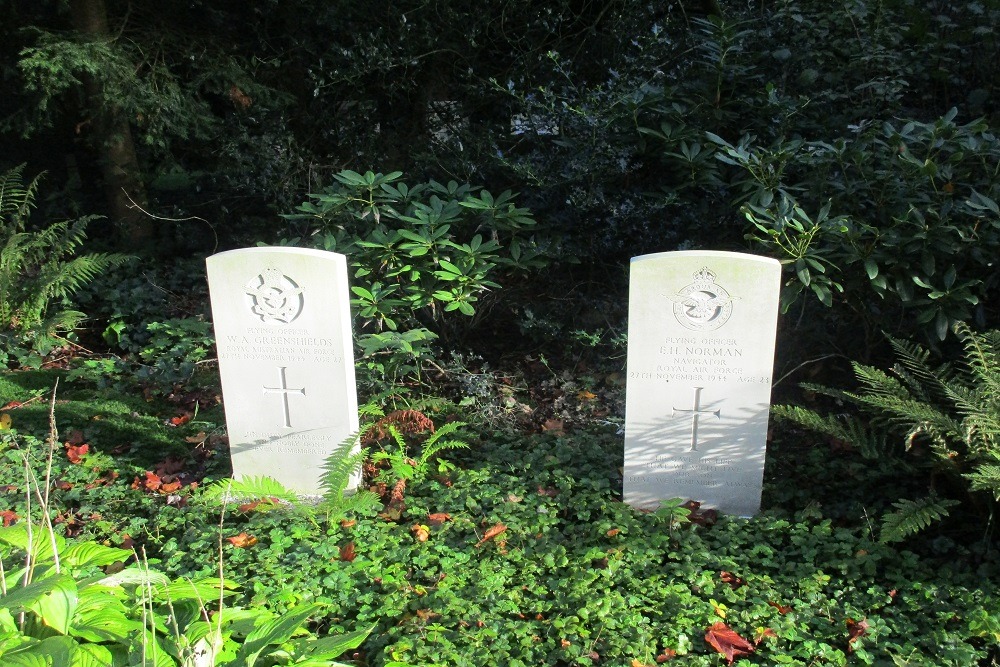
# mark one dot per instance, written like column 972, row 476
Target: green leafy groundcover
column 526, row 556
column 524, row 553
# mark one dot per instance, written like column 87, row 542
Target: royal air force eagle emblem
column 703, row 305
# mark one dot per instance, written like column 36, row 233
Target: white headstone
column 700, row 357
column 283, row 332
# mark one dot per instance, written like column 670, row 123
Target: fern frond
column 982, row 359
column 878, row 383
column 871, row 439
column 16, row 199
column 915, row 369
column 986, row 478
column 245, row 490
column 912, row 516
column 341, row 466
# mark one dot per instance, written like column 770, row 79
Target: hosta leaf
column 84, row 554
column 53, row 651
column 273, row 632
column 95, row 655
column 330, row 648
column 54, row 599
column 138, row 576
column 57, row 608
column 100, row 616
column 17, row 537
column 204, row 590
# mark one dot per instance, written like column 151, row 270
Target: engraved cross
column 284, row 391
column 696, row 412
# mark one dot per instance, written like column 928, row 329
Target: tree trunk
column 112, row 138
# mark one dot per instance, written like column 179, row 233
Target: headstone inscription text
column 700, row 355
column 283, row 332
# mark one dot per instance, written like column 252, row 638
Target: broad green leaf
column 83, row 554
column 273, row 632
column 55, row 612
column 949, row 277
column 95, row 655
column 871, row 268
column 803, row 274
column 58, row 606
column 41, row 542
column 449, row 267
column 101, row 616
column 135, row 575
column 202, row 590
column 331, row 648
column 147, row 650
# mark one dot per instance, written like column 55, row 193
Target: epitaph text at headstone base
column 283, row 332
column 700, row 359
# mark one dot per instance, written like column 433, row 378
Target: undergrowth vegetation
column 513, row 550
column 543, row 142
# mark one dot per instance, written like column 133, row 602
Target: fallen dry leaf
column 8, row 517
column 179, row 420
column 554, row 426
column 782, row 609
column 170, row 487
column 855, row 631
column 763, row 633
column 242, row 541
column 422, row 533
column 438, row 518
column 347, row 553
column 731, row 579
column 75, row 453
column 491, row 533
column 724, row 640
column 151, row 482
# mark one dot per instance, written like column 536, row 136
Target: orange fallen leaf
column 491, row 533
column 763, row 633
column 554, row 426
column 731, row 579
column 586, row 395
column 668, row 654
column 170, row 487
column 438, row 518
column 613, row 532
column 855, row 631
column 422, row 533
column 179, row 420
column 151, row 482
column 782, row 609
column 724, row 640
column 8, row 517
column 347, row 552
column 242, row 541
column 75, row 453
